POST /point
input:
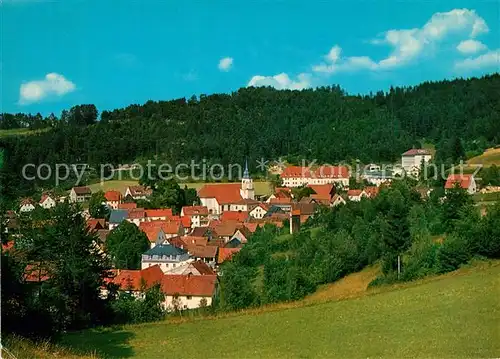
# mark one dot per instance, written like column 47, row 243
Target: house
column 117, row 216
column 158, row 214
column 26, row 205
column 193, row 268
column 297, row 176
column 197, row 214
column 113, row 199
column 47, row 201
column 136, row 216
column 207, row 254
column 242, row 234
column 138, row 192
column 280, row 192
column 226, row 229
column 188, row 291
column 137, row 281
column 356, row 194
column 80, row 194
column 94, row 224
column 127, row 206
column 225, row 254
column 243, row 205
column 165, row 255
column 372, row 191
column 411, row 160
column 337, row 200
column 238, row 216
column 304, row 210
column 219, row 197
column 378, row 177
column 259, row 211
column 465, row 181
column 155, row 234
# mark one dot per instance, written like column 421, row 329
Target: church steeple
column 246, row 175
column 247, row 190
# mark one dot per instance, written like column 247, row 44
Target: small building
column 136, row 282
column 356, row 195
column 80, row 194
column 117, row 216
column 188, row 291
column 259, row 211
column 411, row 160
column 47, row 201
column 26, row 205
column 465, row 181
column 337, row 200
column 193, row 268
column 138, row 192
column 113, row 199
column 166, row 256
column 377, row 177
column 197, row 214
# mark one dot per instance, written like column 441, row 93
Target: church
column 228, row 196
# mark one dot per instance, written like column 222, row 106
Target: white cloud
column 282, row 81
column 225, row 64
column 491, row 59
column 408, row 44
column 471, row 46
column 53, row 85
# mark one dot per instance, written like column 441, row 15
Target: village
column 187, row 249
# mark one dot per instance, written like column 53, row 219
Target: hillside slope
column 452, row 316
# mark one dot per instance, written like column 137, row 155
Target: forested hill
column 325, row 124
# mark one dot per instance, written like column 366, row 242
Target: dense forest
column 325, row 124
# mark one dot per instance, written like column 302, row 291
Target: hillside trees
column 125, row 245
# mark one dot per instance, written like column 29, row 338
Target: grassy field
column 489, row 157
column 261, row 188
column 452, row 316
column 21, row 132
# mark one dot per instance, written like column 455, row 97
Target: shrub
column 453, row 253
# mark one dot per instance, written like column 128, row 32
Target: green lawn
column 489, row 157
column 21, row 132
column 453, row 316
column 261, row 188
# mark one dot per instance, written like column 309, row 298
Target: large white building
column 222, row 197
column 296, row 176
column 411, row 160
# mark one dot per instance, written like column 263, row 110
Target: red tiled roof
column 463, row 180
column 82, row 190
column 227, row 228
column 195, row 210
column 203, row 268
column 7, row 246
column 151, row 233
column 95, row 224
column 36, row 273
column 139, row 191
column 112, row 196
column 226, row 254
column 285, row 200
column 354, row 192
column 131, row 205
column 224, row 193
column 239, row 216
column 322, row 190
column 202, row 251
column 252, row 226
column 195, row 285
column 44, row 197
column 332, row 172
column 26, row 201
column 195, row 240
column 133, row 279
column 372, row 191
column 320, row 172
column 416, row 151
column 172, row 227
column 136, row 213
column 186, row 222
column 165, row 212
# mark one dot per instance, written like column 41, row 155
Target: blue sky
column 56, row 54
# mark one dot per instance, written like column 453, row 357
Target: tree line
column 430, row 236
column 326, row 124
